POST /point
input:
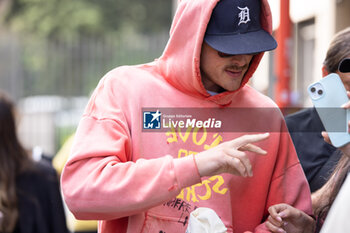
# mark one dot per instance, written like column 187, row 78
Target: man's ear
column 324, row 71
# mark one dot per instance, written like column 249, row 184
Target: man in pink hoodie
column 159, row 140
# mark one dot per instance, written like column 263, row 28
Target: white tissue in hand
column 205, row 220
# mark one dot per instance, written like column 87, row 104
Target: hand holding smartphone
column 328, row 95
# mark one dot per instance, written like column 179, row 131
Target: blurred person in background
column 58, row 162
column 30, row 199
column 317, row 157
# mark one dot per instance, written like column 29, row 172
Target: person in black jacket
column 30, row 200
column 317, row 157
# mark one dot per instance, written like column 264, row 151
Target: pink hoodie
column 138, row 181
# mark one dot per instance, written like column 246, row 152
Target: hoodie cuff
column 186, row 171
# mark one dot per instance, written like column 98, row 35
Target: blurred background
column 54, row 52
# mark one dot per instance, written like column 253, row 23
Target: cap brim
column 247, row 43
column 344, row 65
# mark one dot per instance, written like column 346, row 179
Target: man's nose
column 238, row 60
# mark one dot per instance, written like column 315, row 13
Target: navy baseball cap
column 234, row 28
column 344, row 65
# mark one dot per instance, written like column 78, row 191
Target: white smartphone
column 328, row 95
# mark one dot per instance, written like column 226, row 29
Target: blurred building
column 51, row 79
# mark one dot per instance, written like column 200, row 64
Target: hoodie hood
column 180, row 61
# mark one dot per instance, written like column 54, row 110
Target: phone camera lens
column 320, row 92
column 313, row 89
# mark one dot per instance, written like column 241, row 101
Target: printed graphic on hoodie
column 204, row 141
